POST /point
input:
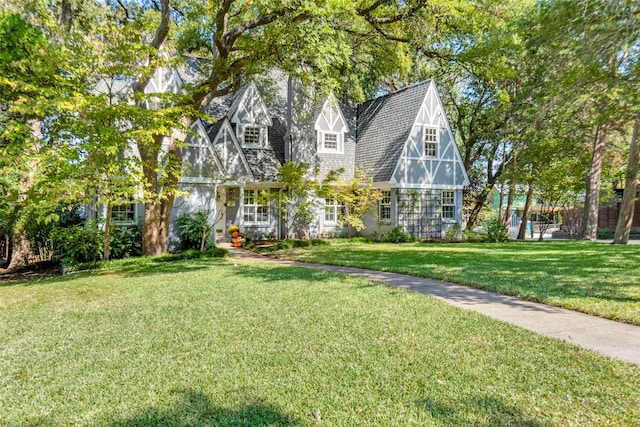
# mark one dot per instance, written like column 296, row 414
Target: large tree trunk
column 522, row 232
column 625, row 217
column 506, row 219
column 592, row 197
column 161, row 192
column 20, row 251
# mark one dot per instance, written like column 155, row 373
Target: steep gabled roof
column 384, row 125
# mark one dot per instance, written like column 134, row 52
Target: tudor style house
column 402, row 140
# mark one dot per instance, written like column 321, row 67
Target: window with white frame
column 253, row 135
column 331, row 210
column 256, row 207
column 385, row 206
column 123, row 212
column 430, row 142
column 330, row 142
column 448, row 204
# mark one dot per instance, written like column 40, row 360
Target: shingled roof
column 384, row 125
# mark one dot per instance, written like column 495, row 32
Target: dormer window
column 331, row 142
column 331, row 127
column 430, row 142
column 252, row 135
column 255, row 136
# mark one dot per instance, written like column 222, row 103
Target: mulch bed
column 37, row 271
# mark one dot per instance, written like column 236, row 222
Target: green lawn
column 232, row 343
column 595, row 278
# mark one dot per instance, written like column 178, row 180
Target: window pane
column 252, row 135
column 430, row 142
column 330, row 141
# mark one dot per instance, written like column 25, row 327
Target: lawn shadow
column 136, row 267
column 478, row 411
column 196, row 409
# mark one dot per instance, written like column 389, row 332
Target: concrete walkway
column 613, row 339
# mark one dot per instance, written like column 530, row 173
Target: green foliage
column 358, row 196
column 195, row 230
column 608, row 233
column 497, row 232
column 452, row 232
column 79, row 243
column 125, row 242
column 396, row 235
column 193, row 254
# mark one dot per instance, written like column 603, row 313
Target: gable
column 228, row 150
column 249, row 108
column 383, row 126
column 331, row 118
column 443, row 167
column 200, row 161
column 164, row 80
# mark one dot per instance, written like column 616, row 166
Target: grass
column 217, row 342
column 594, row 278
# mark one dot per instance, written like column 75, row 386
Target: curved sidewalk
column 613, row 339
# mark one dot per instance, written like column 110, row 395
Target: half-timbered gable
column 251, row 117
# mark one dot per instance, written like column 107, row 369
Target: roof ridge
column 399, row 91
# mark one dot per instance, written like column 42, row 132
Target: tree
column 31, row 89
column 294, row 204
column 627, row 207
column 358, row 196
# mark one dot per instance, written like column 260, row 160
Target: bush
column 609, row 233
column 497, row 232
column 125, row 242
column 397, row 235
column 79, row 244
column 191, row 229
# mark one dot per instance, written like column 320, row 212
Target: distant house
column 403, row 140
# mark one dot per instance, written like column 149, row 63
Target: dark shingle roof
column 264, row 163
column 384, row 125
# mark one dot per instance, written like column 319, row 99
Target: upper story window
column 385, row 206
column 448, row 204
column 331, row 142
column 430, row 142
column 255, row 136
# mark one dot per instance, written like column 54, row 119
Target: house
column 402, row 140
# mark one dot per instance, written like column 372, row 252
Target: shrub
column 497, row 232
column 397, row 235
column 78, row 243
column 125, row 242
column 452, row 232
column 192, row 228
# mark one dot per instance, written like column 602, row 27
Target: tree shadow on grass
column 479, row 411
column 196, row 409
column 129, row 268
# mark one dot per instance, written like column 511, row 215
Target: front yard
column 228, row 342
column 595, row 278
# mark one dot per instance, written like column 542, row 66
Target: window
column 332, row 209
column 252, row 135
column 385, row 206
column 331, row 142
column 123, row 213
column 448, row 204
column 430, row 142
column 256, row 208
